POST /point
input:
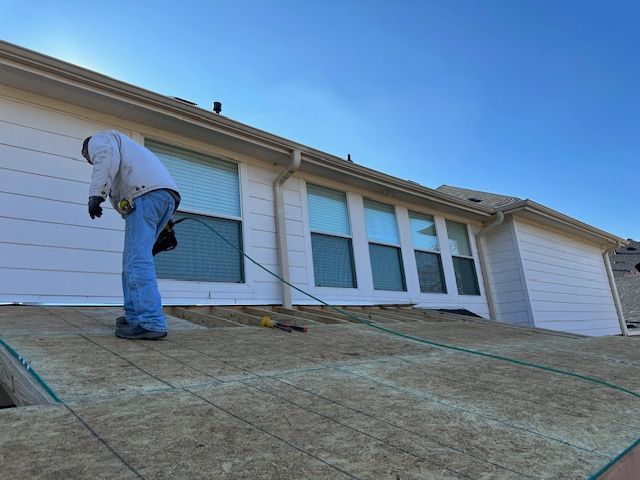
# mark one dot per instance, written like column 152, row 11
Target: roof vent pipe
column 281, row 231
column 217, row 107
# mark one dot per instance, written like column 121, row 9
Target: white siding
column 50, row 251
column 506, row 279
column 567, row 282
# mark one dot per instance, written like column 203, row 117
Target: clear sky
column 537, row 99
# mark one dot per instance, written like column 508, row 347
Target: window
column 463, row 264
column 210, row 192
column 330, row 238
column 427, row 252
column 384, row 246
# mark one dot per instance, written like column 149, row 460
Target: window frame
column 208, row 214
column 437, row 252
column 397, row 246
column 467, row 257
column 327, row 233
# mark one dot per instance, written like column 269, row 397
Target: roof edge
column 68, row 73
column 564, row 221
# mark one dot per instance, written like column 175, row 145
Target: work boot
column 138, row 333
column 121, row 322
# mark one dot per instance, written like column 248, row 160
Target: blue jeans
column 142, row 303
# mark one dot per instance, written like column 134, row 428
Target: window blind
column 207, row 184
column 328, row 210
column 458, row 239
column 466, row 276
column 386, row 266
column 430, row 272
column 423, row 232
column 332, row 261
column 201, row 255
column 380, row 219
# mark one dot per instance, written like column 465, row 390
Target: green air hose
column 370, row 324
column 515, row 361
column 419, row 339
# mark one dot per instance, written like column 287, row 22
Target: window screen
column 201, row 254
column 429, row 264
column 332, row 254
column 464, row 268
column 386, row 266
column 430, row 272
column 332, row 261
column 466, row 276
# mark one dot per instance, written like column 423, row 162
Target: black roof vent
column 217, row 107
column 474, row 199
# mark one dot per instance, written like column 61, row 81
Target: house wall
column 567, row 282
column 49, row 249
column 52, row 252
column 506, row 276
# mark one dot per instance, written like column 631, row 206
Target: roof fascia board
column 563, row 221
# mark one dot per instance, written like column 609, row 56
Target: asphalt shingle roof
column 487, row 199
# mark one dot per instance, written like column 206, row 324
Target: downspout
column 483, row 264
column 614, row 291
column 281, row 230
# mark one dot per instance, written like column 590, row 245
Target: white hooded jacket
column 123, row 169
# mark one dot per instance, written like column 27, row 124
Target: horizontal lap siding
column 567, row 281
column 505, row 277
column 50, row 251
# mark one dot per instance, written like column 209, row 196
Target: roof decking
column 232, row 400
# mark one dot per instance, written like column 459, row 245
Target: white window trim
column 306, row 218
column 248, row 283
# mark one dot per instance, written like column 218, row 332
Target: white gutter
column 483, row 264
column 614, row 291
column 281, row 229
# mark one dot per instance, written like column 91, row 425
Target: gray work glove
column 95, row 210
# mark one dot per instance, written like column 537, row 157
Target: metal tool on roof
column 268, row 322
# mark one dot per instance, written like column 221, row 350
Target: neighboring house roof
column 626, row 259
column 629, row 292
column 487, row 199
column 625, row 263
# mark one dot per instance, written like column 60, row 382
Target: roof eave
column 547, row 216
column 30, row 71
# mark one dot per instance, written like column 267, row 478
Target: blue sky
column 536, row 99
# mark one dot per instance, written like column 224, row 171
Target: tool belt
column 166, row 240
